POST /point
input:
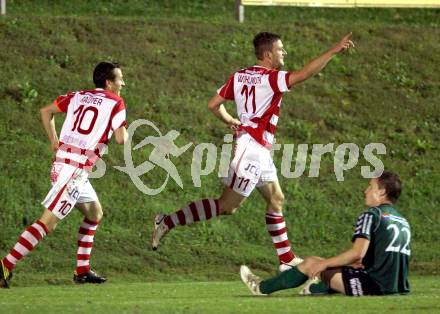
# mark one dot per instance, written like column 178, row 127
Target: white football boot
column 306, row 289
column 295, row 262
column 160, row 229
column 250, row 280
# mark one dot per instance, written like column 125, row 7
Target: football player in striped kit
column 92, row 116
column 257, row 92
column 376, row 264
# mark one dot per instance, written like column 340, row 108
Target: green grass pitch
column 175, row 54
column 206, row 297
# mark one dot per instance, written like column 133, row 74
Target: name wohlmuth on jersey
column 257, row 92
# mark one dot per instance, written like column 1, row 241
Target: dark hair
column 103, row 72
column 263, row 42
column 392, row 185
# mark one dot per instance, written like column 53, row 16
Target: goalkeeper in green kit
column 376, row 264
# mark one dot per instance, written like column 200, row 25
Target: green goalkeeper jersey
column 387, row 258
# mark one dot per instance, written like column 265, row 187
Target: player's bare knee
column 49, row 220
column 228, row 207
column 99, row 215
column 279, row 198
column 96, row 216
column 233, row 210
column 276, row 202
column 315, row 258
column 95, row 212
column 305, row 265
column 50, row 225
column 228, row 210
column 274, row 206
column 308, row 260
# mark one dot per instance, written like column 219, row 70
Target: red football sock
column 26, row 243
column 276, row 226
column 196, row 211
column 86, row 234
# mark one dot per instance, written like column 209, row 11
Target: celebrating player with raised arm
column 92, row 116
column 376, row 264
column 257, row 92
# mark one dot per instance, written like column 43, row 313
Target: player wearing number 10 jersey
column 257, row 93
column 92, row 116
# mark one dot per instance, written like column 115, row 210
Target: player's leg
column 91, row 208
column 196, row 211
column 206, row 209
column 230, row 201
column 287, row 279
column 66, row 181
column 318, row 284
column 27, row 241
column 276, row 225
column 239, row 185
column 351, row 281
column 346, row 280
column 93, row 214
column 291, row 278
column 333, row 279
column 92, row 211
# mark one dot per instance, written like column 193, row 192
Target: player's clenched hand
column 316, row 268
column 234, row 124
column 344, row 44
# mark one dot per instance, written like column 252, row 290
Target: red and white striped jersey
column 257, row 92
column 92, row 117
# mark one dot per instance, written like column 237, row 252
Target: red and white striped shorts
column 252, row 166
column 70, row 185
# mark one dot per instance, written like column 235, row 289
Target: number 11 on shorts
column 244, row 182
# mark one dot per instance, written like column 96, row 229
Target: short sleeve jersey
column 257, row 92
column 387, row 257
column 92, row 116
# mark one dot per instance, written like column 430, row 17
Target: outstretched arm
column 352, row 256
column 316, row 65
column 217, row 108
column 47, row 117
